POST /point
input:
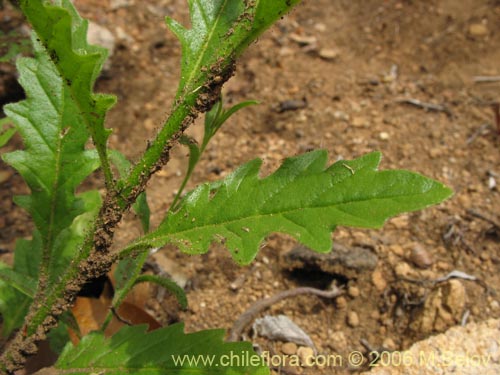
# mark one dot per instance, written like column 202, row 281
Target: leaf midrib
column 208, row 38
column 257, row 216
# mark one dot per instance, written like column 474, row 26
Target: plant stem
column 94, row 259
column 125, row 289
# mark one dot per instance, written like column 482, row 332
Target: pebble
column 321, row 27
column 341, row 302
column 328, row 53
column 116, row 4
column 353, row 291
column 359, row 122
column 389, row 344
column 402, row 270
column 435, row 152
column 303, row 40
column 122, row 36
column 400, row 222
column 289, row 348
column 478, row 29
column 99, row 35
column 304, row 353
column 286, row 51
column 340, row 115
column 461, row 348
column 397, row 249
column 352, row 319
column 442, row 309
column 492, row 183
column 384, row 136
column 378, row 280
column 338, row 341
column 420, row 257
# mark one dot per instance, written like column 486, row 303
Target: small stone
column 359, row 122
column 384, row 136
column 353, row 291
column 328, row 53
column 442, row 309
column 443, row 266
column 122, row 36
column 420, row 257
column 492, row 183
column 389, row 344
column 321, row 27
column 341, row 303
column 101, row 36
column 149, row 124
column 494, row 305
column 435, row 152
column 303, row 40
column 116, row 4
column 305, row 353
column 397, row 249
column 286, row 51
column 338, row 341
column 352, row 319
column 402, row 270
column 289, row 348
column 400, row 222
column 340, row 115
column 478, row 29
column 378, row 280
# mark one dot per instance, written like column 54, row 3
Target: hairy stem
column 94, row 259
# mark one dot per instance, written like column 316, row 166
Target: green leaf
column 59, row 336
column 133, row 351
column 140, row 207
column 194, row 152
column 54, row 161
column 67, row 244
column 5, row 135
column 12, row 44
column 214, row 119
column 14, row 304
column 18, row 284
column 127, row 271
column 22, row 283
column 302, row 198
column 217, row 116
column 62, row 35
column 168, row 284
column 220, row 31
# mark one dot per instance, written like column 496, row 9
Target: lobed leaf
column 18, row 285
column 133, row 351
column 62, row 34
column 220, row 31
column 54, row 161
column 55, row 121
column 303, row 198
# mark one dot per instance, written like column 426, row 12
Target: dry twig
column 426, row 106
column 486, row 79
column 481, row 216
column 246, row 318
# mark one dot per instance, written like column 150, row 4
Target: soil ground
column 353, row 65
